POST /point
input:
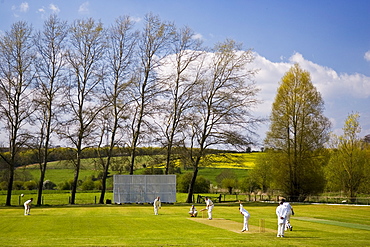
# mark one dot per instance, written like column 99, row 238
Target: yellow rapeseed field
column 232, row 160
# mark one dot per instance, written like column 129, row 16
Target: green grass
column 52, row 197
column 58, row 197
column 135, row 225
column 61, row 175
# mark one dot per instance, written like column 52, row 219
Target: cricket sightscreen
column 144, row 188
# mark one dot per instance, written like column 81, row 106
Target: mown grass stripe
column 229, row 225
column 335, row 223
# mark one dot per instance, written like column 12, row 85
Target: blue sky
column 330, row 39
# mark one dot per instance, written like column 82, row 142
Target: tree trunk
column 191, row 186
column 104, row 179
column 41, row 184
column 75, row 178
column 10, row 187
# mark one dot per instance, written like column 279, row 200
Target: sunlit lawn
column 135, row 225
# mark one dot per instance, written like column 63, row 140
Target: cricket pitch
column 230, row 225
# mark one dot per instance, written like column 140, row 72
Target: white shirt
column 157, row 203
column 288, row 207
column 243, row 211
column 281, row 212
column 209, row 203
column 27, row 202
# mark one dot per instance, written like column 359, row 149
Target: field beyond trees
column 62, row 171
column 136, row 225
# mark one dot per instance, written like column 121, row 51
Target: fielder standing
column 281, row 211
column 246, row 215
column 27, row 206
column 289, row 213
column 209, row 207
column 157, row 205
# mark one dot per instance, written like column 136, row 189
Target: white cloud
column 23, row 7
column 84, row 8
column 41, row 10
column 342, row 93
column 334, row 85
column 198, row 36
column 135, row 19
column 54, row 9
column 367, row 56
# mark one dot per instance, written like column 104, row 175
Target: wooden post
column 262, row 225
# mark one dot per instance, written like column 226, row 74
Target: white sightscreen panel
column 144, row 188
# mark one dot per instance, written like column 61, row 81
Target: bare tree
column 85, row 58
column 179, row 80
column 51, row 47
column 122, row 43
column 152, row 46
column 221, row 115
column 16, row 76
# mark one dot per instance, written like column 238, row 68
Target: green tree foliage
column 229, row 184
column 348, row 167
column 202, row 185
column 66, row 185
column 297, row 135
column 30, row 185
column 153, row 170
column 261, row 176
column 248, row 185
column 227, row 179
column 49, row 185
column 88, row 184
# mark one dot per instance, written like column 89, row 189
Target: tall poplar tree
column 122, row 43
column 180, row 84
column 50, row 45
column 297, row 134
column 85, row 59
column 153, row 46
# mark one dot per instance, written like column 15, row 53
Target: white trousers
column 156, row 210
column 27, row 209
column 287, row 222
column 245, row 225
column 281, row 228
column 210, row 208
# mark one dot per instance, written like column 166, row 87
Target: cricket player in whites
column 27, row 206
column 209, row 207
column 281, row 211
column 193, row 211
column 246, row 215
column 289, row 213
column 157, row 205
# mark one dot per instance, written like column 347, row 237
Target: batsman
column 209, row 207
